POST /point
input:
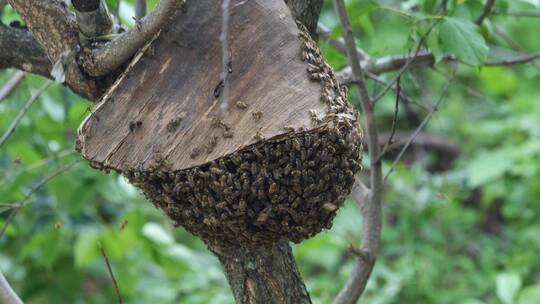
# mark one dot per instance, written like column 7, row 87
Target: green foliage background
column 469, row 234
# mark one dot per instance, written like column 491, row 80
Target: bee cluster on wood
column 287, row 189
column 283, row 188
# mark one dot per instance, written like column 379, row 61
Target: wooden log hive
column 275, row 165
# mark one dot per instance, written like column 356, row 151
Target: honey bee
column 259, row 136
column 195, row 152
column 241, row 105
column 257, row 115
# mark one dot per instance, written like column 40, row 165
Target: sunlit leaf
column 461, row 38
column 508, row 284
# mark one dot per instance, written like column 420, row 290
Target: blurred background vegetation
column 461, row 222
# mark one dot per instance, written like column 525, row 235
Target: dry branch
column 140, row 9
column 12, row 84
column 338, row 44
column 486, row 12
column 19, row 50
column 420, row 127
column 371, row 208
column 111, row 273
column 93, row 18
column 53, row 27
column 307, row 12
column 107, row 58
column 23, row 111
column 19, row 205
column 7, row 294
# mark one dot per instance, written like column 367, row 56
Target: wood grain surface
column 164, row 109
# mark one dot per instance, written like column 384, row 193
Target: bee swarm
column 275, row 167
column 288, row 188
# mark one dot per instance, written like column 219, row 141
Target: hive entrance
column 275, row 165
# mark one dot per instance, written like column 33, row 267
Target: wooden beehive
column 215, row 171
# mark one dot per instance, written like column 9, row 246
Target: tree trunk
column 263, row 275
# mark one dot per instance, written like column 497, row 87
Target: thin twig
column 371, row 206
column 12, row 84
column 514, row 61
column 519, row 14
column 23, row 111
column 486, row 12
column 110, row 56
column 420, row 127
column 7, row 294
column 226, row 60
column 339, row 43
column 394, row 120
column 106, row 258
column 19, row 205
column 406, row 65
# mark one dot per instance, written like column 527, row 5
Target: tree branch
column 19, row 205
column 338, row 44
column 12, row 84
column 307, row 12
column 7, row 294
column 486, row 12
column 513, row 61
column 263, row 274
column 18, row 49
column 424, row 58
column 371, row 210
column 109, row 57
column 420, row 127
column 23, row 111
column 111, row 274
column 391, row 63
column 55, row 30
column 140, row 9
column 93, row 17
column 3, row 4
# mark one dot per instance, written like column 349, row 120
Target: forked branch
column 104, row 60
column 370, row 204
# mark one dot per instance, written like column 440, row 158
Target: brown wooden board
column 163, row 109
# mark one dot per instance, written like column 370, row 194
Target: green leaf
column 529, row 295
column 434, row 45
column 86, row 248
column 461, row 39
column 156, row 233
column 535, row 3
column 489, row 166
column 508, row 284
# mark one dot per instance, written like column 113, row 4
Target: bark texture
column 176, row 82
column 93, row 18
column 18, row 49
column 54, row 28
column 109, row 57
column 307, row 12
column 263, row 275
